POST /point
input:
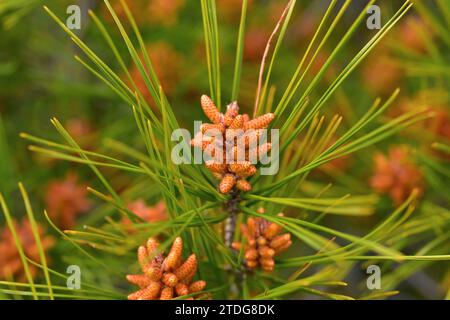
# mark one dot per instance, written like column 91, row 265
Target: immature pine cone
column 235, row 161
column 396, row 174
column 167, row 277
column 10, row 263
column 263, row 242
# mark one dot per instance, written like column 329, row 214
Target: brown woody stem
column 232, row 206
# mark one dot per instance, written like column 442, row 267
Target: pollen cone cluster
column 167, row 277
column 10, row 262
column 232, row 157
column 65, row 200
column 263, row 242
column 396, row 175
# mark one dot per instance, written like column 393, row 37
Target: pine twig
column 232, row 206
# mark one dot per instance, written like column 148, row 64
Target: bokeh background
column 40, row 79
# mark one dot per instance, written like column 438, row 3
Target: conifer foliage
column 354, row 185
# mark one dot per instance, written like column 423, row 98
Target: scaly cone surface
column 234, row 155
column 167, row 277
